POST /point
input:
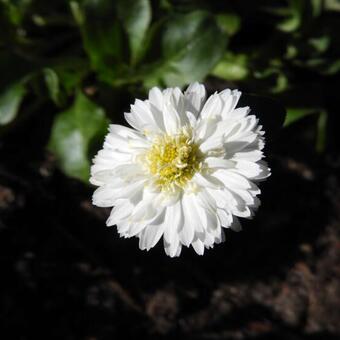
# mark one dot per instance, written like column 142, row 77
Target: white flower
column 186, row 170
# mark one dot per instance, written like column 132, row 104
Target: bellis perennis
column 185, row 170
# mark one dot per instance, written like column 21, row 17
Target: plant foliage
column 86, row 58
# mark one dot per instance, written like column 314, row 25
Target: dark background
column 65, row 275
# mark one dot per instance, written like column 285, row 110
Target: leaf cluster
column 86, row 59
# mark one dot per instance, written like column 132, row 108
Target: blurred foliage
column 73, row 132
column 81, row 55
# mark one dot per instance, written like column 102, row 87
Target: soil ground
column 64, row 275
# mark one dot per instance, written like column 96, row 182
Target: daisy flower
column 186, row 169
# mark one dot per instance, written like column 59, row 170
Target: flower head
column 186, row 169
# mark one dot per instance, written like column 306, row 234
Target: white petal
column 220, row 238
column 231, row 179
column 106, row 196
column 206, row 181
column 122, row 228
column 239, row 113
column 217, row 162
column 250, row 156
column 143, row 215
column 142, row 117
column 206, row 128
column 230, row 99
column 128, row 172
column 198, row 245
column 124, row 139
column 142, row 110
column 169, row 199
column 173, row 222
column 212, row 107
column 209, row 240
column 145, row 210
column 225, row 218
column 178, row 251
column 211, row 144
column 175, row 99
column 186, row 233
column 191, row 119
column 243, row 130
column 135, row 121
column 120, row 212
column 233, row 147
column 101, row 176
column 240, row 208
column 172, row 120
column 224, row 198
column 153, row 232
column 191, row 207
column 247, row 197
column 209, row 210
column 178, row 100
column 124, row 131
column 252, row 170
column 195, row 95
column 225, row 95
column 156, row 98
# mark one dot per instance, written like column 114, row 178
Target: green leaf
column 74, row 131
column 52, row 83
column 101, row 34
column 136, row 17
column 77, row 12
column 291, row 52
column 317, row 7
column 293, row 21
column 15, row 10
column 281, row 83
column 332, row 5
column 321, row 131
column 321, row 43
column 192, row 44
column 332, row 68
column 232, row 67
column 71, row 72
column 230, row 23
column 290, row 24
column 295, row 114
column 10, row 101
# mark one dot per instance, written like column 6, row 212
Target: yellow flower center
column 173, row 160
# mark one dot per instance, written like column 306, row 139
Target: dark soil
column 64, row 275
